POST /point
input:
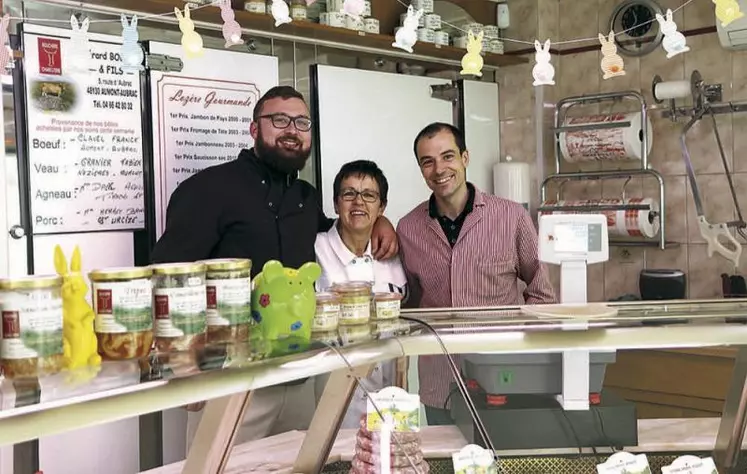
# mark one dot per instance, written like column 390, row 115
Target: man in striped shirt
column 464, row 248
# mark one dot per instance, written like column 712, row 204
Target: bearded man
column 256, row 207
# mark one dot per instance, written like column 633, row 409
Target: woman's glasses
column 366, row 195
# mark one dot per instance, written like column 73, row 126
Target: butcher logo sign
column 50, row 56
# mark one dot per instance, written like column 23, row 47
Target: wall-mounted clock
column 634, row 23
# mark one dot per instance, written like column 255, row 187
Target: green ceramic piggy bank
column 284, row 300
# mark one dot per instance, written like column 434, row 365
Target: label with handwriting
column 85, row 148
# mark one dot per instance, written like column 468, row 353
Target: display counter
column 225, row 374
column 663, row 440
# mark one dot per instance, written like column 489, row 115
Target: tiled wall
column 580, row 74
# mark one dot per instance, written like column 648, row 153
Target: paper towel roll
column 606, row 144
column 512, row 180
column 621, row 223
column 672, row 90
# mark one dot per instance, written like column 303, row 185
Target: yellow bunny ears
column 60, row 262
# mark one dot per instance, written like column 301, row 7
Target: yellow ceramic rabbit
column 472, row 61
column 79, row 339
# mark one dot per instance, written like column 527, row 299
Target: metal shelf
column 561, row 112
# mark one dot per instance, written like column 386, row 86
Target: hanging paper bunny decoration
column 407, row 36
column 354, row 8
column 674, row 42
column 80, row 50
column 191, row 40
column 612, row 64
column 543, row 71
column 231, row 28
column 472, row 61
column 280, row 12
column 132, row 54
column 727, row 11
column 6, row 54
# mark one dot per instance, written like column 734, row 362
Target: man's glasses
column 366, row 195
column 283, row 121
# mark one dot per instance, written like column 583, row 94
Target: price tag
column 689, row 464
column 625, row 463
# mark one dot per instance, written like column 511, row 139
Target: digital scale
column 551, row 400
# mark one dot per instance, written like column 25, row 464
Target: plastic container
column 327, row 313
column 228, row 288
column 123, row 303
column 180, row 306
column 355, row 302
column 31, row 309
column 386, row 306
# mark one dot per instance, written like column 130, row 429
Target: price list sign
column 85, row 146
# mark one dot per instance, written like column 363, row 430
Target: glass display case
column 224, row 374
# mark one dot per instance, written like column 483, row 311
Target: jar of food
column 31, row 309
column 355, row 301
column 256, row 7
column 123, row 303
column 298, row 10
column 327, row 312
column 228, row 288
column 386, row 306
column 180, row 305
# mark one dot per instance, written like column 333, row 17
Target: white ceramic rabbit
column 131, row 52
column 191, row 40
column 472, row 61
column 354, row 8
column 231, row 27
column 280, row 12
column 727, row 11
column 674, row 42
column 6, row 55
column 543, row 71
column 407, row 36
column 612, row 64
column 80, row 49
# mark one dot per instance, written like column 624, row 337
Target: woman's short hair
column 362, row 168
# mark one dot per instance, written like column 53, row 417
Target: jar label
column 31, row 324
column 298, row 12
column 180, row 311
column 326, row 317
column 355, row 311
column 229, row 301
column 387, row 309
column 123, row 306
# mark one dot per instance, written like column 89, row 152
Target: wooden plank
column 307, row 29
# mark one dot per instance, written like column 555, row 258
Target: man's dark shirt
column 452, row 228
column 242, row 209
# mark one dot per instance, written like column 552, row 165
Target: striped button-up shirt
column 494, row 262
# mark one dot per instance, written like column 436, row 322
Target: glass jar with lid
column 123, row 304
column 386, row 306
column 355, row 301
column 32, row 322
column 180, row 305
column 228, row 287
column 327, row 313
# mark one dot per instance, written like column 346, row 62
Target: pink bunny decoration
column 5, row 51
column 354, row 8
column 231, row 28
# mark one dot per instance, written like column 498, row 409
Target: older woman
column 344, row 253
